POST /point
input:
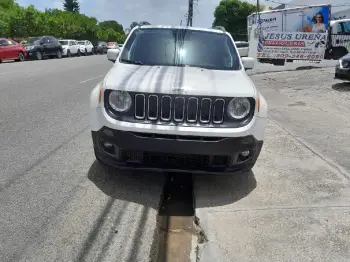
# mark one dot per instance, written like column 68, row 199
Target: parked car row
column 48, row 47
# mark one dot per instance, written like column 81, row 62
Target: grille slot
column 179, row 109
column 140, row 106
column 165, row 111
column 205, row 112
column 192, row 109
column 153, row 107
column 218, row 111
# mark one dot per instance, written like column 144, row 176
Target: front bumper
column 342, row 73
column 31, row 54
column 161, row 152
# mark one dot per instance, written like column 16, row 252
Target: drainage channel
column 175, row 223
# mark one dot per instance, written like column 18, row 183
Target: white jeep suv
column 178, row 99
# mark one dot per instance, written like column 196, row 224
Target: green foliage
column 113, row 25
column 232, row 14
column 18, row 22
column 71, row 6
column 7, row 3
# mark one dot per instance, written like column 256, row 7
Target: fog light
column 245, row 153
column 110, row 148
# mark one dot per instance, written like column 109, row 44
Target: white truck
column 302, row 33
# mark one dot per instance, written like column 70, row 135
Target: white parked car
column 70, row 47
column 243, row 48
column 193, row 109
column 85, row 47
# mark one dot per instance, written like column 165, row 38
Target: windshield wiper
column 131, row 62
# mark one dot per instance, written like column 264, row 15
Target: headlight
column 344, row 64
column 120, row 101
column 29, row 47
column 238, row 108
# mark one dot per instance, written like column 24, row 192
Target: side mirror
column 248, row 62
column 112, row 54
column 41, row 42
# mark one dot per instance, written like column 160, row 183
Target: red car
column 11, row 50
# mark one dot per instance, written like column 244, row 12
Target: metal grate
column 179, row 109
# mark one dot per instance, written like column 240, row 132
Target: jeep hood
column 191, row 80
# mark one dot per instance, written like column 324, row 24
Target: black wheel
column 69, row 54
column 59, row 54
column 20, row 57
column 278, row 62
column 86, row 53
column 78, row 54
column 38, row 55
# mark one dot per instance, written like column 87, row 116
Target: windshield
column 181, row 47
column 81, row 42
column 63, row 42
column 31, row 41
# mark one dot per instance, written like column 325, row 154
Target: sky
column 126, row 11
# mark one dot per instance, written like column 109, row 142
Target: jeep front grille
column 179, row 109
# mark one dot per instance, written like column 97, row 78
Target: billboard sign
column 299, row 33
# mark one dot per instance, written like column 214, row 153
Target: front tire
column 20, row 57
column 69, row 54
column 38, row 55
column 86, row 53
column 59, row 54
column 78, row 54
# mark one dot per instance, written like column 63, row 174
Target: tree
column 232, row 14
column 71, row 6
column 112, row 25
column 133, row 24
column 7, row 3
column 18, row 22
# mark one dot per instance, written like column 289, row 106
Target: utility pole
column 190, row 13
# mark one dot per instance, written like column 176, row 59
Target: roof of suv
column 184, row 27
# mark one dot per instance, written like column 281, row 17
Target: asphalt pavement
column 57, row 204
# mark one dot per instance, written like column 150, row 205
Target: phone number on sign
column 290, row 56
